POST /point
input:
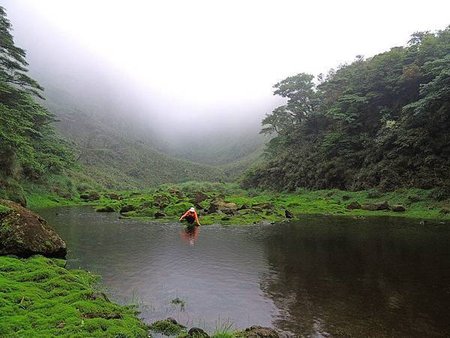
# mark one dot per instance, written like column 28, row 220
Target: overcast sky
column 216, row 56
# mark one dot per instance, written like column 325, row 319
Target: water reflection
column 370, row 278
column 321, row 276
column 190, row 234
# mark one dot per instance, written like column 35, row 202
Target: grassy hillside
column 118, row 153
column 114, row 152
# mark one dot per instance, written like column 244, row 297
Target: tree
column 12, row 61
column 29, row 146
column 302, row 100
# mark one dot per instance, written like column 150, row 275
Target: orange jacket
column 191, row 213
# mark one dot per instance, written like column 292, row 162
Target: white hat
column 192, row 209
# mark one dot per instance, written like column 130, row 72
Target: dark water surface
column 318, row 277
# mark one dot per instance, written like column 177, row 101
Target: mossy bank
column 41, row 298
column 219, row 203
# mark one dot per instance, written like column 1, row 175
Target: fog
column 200, row 68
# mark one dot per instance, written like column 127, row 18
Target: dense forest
column 381, row 122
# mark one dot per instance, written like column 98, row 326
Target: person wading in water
column 190, row 216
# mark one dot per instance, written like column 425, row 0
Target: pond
column 321, row 276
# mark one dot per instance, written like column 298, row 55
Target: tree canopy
column 29, row 147
column 379, row 122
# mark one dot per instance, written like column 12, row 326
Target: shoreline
column 227, row 204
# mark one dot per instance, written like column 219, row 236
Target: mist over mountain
column 80, row 86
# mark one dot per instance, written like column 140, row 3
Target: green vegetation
column 30, row 149
column 228, row 204
column 380, row 122
column 40, row 298
column 4, row 209
column 167, row 327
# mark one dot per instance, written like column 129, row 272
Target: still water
column 319, row 277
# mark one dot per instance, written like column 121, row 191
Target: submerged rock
column 24, row 233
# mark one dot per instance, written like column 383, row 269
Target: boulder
column 288, row 214
column 197, row 333
column 90, row 196
column 161, row 201
column 414, row 198
column 354, row 205
column 173, row 321
column 260, row 332
column 113, row 196
column 199, row 197
column 374, row 194
column 262, row 206
column 24, row 233
column 168, row 327
column 159, row 214
column 376, row 206
column 444, row 211
column 220, row 205
column 127, row 208
column 176, row 192
column 398, row 208
column 107, row 208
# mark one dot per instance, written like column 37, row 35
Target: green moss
column 4, row 209
column 174, row 199
column 40, row 298
column 264, row 206
column 167, row 328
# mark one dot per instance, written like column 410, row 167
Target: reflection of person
column 190, row 216
column 190, row 235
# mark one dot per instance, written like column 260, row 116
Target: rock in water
column 198, row 333
column 24, row 233
column 259, row 331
